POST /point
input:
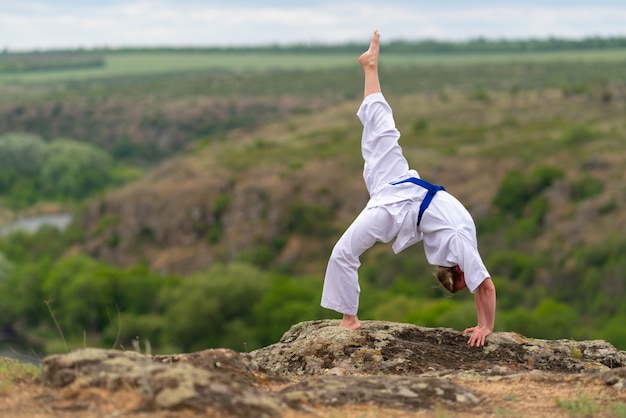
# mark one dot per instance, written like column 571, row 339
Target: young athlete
column 405, row 207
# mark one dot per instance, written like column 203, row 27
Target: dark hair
column 447, row 276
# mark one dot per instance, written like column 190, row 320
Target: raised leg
column 369, row 62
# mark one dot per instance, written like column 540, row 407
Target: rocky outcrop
column 317, row 347
column 316, row 363
column 173, row 382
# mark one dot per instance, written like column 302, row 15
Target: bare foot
column 350, row 322
column 369, row 59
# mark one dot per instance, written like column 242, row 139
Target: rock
column 173, row 385
column 239, row 366
column 317, row 363
column 379, row 347
column 398, row 392
column 615, row 378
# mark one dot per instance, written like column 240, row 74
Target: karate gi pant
column 384, row 163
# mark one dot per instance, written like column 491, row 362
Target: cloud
column 32, row 25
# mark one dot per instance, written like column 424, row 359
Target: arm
column 485, row 298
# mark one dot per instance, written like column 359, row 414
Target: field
column 129, row 63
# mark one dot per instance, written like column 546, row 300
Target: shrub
column 543, row 177
column 585, row 187
column 512, row 195
column 479, row 93
column 517, row 190
column 574, row 89
column 310, row 219
column 220, row 205
column 420, row 125
column 578, row 134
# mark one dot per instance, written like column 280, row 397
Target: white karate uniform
column 447, row 228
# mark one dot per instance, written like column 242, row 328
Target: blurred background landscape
column 190, row 195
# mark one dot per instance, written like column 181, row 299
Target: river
column 33, row 223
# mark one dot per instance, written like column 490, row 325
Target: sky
column 61, row 24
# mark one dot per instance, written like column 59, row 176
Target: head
column 451, row 278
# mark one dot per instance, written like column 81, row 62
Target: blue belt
column 431, row 190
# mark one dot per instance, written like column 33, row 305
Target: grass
column 586, row 404
column 13, row 371
column 510, row 397
column 503, row 412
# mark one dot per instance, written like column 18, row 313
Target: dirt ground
column 539, row 395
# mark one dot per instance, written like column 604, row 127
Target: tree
column 21, row 299
column 5, row 268
column 550, row 320
column 215, row 307
column 288, row 302
column 21, row 156
column 81, row 291
column 74, row 169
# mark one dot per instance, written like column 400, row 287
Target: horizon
column 305, row 45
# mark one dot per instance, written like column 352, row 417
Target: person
column 404, row 207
